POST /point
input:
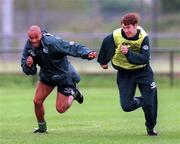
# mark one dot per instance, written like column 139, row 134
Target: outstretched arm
column 62, row 47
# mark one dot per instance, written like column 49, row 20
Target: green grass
column 100, row 120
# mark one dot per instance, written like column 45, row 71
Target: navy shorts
column 64, row 89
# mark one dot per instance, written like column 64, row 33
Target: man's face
column 35, row 38
column 129, row 30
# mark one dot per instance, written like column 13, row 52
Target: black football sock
column 42, row 126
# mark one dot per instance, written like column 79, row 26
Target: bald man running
column 50, row 54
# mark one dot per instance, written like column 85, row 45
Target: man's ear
column 40, row 36
column 135, row 25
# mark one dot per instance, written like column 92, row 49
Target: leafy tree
column 117, row 6
column 170, row 6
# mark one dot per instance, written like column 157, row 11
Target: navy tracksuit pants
column 127, row 82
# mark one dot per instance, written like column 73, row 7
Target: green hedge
column 87, row 80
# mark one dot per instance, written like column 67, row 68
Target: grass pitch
column 99, row 120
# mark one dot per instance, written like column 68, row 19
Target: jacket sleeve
column 107, row 50
column 27, row 52
column 71, row 48
column 140, row 58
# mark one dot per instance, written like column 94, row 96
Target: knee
column 61, row 109
column 37, row 102
column 126, row 108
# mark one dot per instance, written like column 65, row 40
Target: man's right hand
column 29, row 61
column 124, row 49
column 104, row 66
column 92, row 55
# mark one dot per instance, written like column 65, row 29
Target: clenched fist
column 124, row 49
column 92, row 55
column 29, row 61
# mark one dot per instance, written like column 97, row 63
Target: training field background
column 99, row 120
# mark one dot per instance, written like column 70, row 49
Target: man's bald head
column 35, row 35
column 34, row 29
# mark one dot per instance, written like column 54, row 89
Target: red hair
column 130, row 18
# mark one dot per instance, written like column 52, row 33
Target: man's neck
column 135, row 37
